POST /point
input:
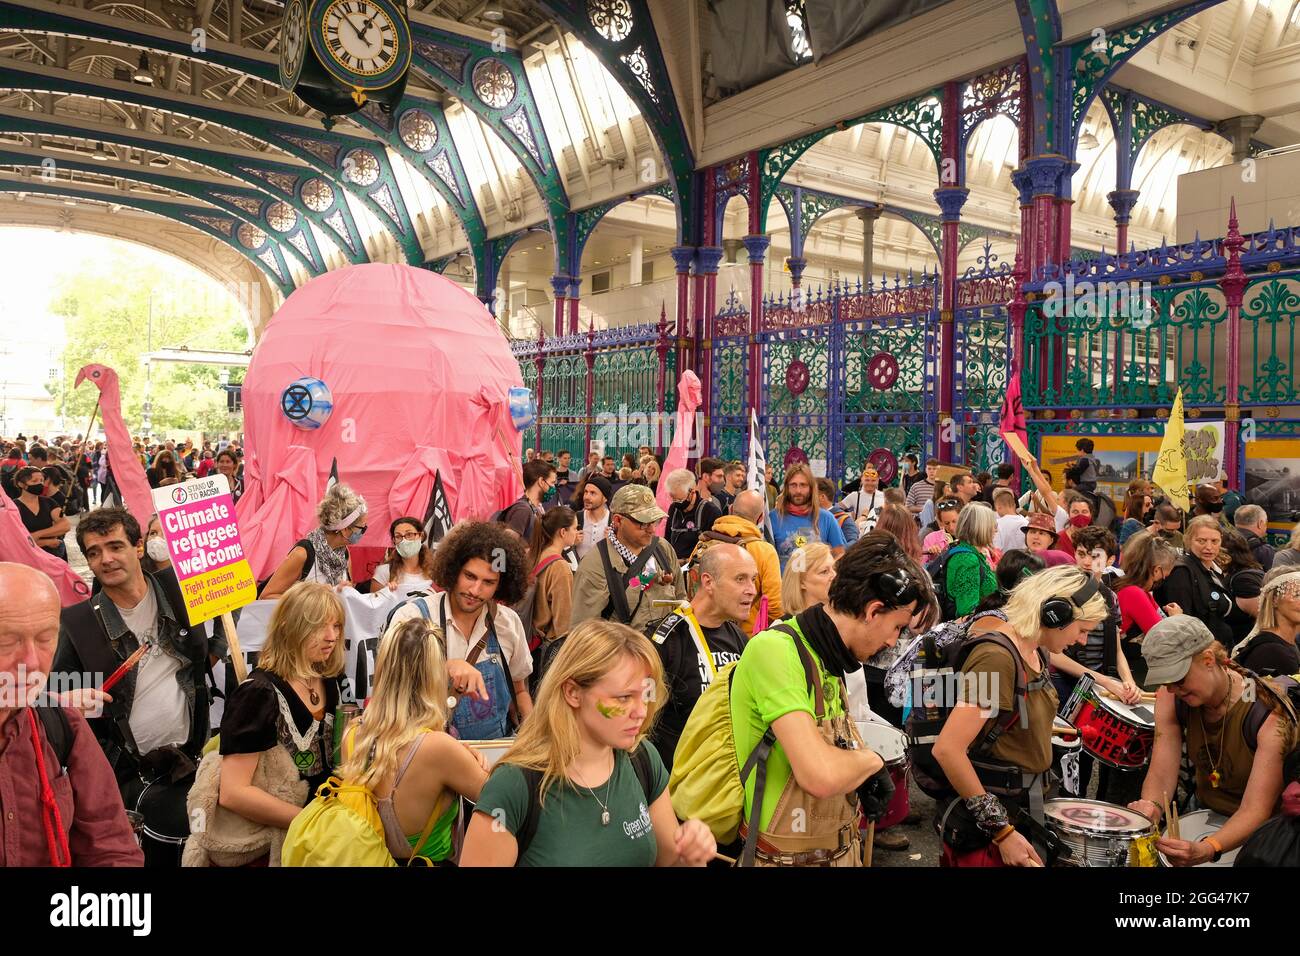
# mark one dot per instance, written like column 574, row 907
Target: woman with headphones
column 995, row 747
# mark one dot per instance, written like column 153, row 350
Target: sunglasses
column 949, row 506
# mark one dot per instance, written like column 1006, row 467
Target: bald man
column 744, row 527
column 702, row 637
column 95, row 829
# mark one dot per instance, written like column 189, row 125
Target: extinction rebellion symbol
column 295, row 402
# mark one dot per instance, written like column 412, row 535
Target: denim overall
column 484, row 719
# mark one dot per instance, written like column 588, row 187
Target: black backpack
column 57, row 730
column 533, row 778
column 934, row 697
column 938, row 571
column 306, row 565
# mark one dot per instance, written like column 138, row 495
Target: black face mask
column 1213, row 507
column 34, row 489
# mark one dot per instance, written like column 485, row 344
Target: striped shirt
column 921, row 492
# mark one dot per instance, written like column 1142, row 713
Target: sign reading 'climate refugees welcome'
column 202, row 535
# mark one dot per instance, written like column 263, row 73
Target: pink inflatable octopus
column 418, row 375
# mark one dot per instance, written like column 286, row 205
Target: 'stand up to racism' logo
column 179, row 496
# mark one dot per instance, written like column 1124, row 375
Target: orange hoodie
column 764, row 555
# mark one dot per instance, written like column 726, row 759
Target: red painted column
column 707, row 260
column 560, row 285
column 539, row 361
column 661, row 378
column 589, row 357
column 1233, row 284
column 575, row 291
column 757, row 247
column 951, row 199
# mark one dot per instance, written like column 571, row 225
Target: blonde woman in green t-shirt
column 601, row 789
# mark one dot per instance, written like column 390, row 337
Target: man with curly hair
column 481, row 569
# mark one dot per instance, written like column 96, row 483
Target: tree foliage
column 107, row 309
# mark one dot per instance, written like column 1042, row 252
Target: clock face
column 364, row 43
column 293, row 43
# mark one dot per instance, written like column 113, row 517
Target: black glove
column 875, row 794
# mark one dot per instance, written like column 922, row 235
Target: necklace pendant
column 315, row 697
column 604, row 817
column 1214, row 779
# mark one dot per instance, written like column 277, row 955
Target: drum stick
column 236, row 655
column 1164, row 797
column 1173, row 822
column 1147, row 698
column 127, row 664
column 871, row 843
column 724, row 858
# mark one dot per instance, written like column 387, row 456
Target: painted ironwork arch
column 1093, row 60
column 301, row 187
column 356, row 164
column 920, row 115
column 1137, row 118
column 493, row 84
column 439, row 163
column 249, row 241
column 622, row 35
column 586, row 220
column 275, row 218
column 999, row 92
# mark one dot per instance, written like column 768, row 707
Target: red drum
column 1118, row 734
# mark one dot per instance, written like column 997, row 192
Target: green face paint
column 611, row 709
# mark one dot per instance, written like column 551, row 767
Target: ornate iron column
column 1233, row 285
column 950, row 200
column 661, row 378
column 756, row 246
column 539, row 361
column 560, row 284
column 575, row 291
column 589, row 356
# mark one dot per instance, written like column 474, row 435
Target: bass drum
column 164, row 821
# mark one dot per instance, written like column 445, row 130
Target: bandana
column 648, row 573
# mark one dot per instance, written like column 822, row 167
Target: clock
column 365, row 45
column 338, row 55
column 293, row 42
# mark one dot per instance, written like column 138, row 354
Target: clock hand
column 360, row 36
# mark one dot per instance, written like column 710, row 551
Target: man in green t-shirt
column 795, row 686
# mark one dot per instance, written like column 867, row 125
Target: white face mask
column 156, row 548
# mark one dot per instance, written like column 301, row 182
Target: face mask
column 549, row 493
column 1081, row 521
column 355, row 537
column 716, row 486
column 156, row 548
column 1213, row 507
column 34, row 489
column 407, row 549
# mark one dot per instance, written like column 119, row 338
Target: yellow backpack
column 340, row 827
column 708, row 781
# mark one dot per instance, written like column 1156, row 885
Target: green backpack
column 708, row 780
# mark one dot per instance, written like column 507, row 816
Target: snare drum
column 1101, row 834
column 1119, row 735
column 1197, row 824
column 492, row 750
column 889, row 742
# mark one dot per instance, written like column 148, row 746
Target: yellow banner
column 218, row 592
column 1170, row 472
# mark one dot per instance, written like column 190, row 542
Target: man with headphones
column 995, row 745
column 789, row 711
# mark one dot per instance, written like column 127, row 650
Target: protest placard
column 202, row 535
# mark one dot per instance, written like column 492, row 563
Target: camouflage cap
column 638, row 503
